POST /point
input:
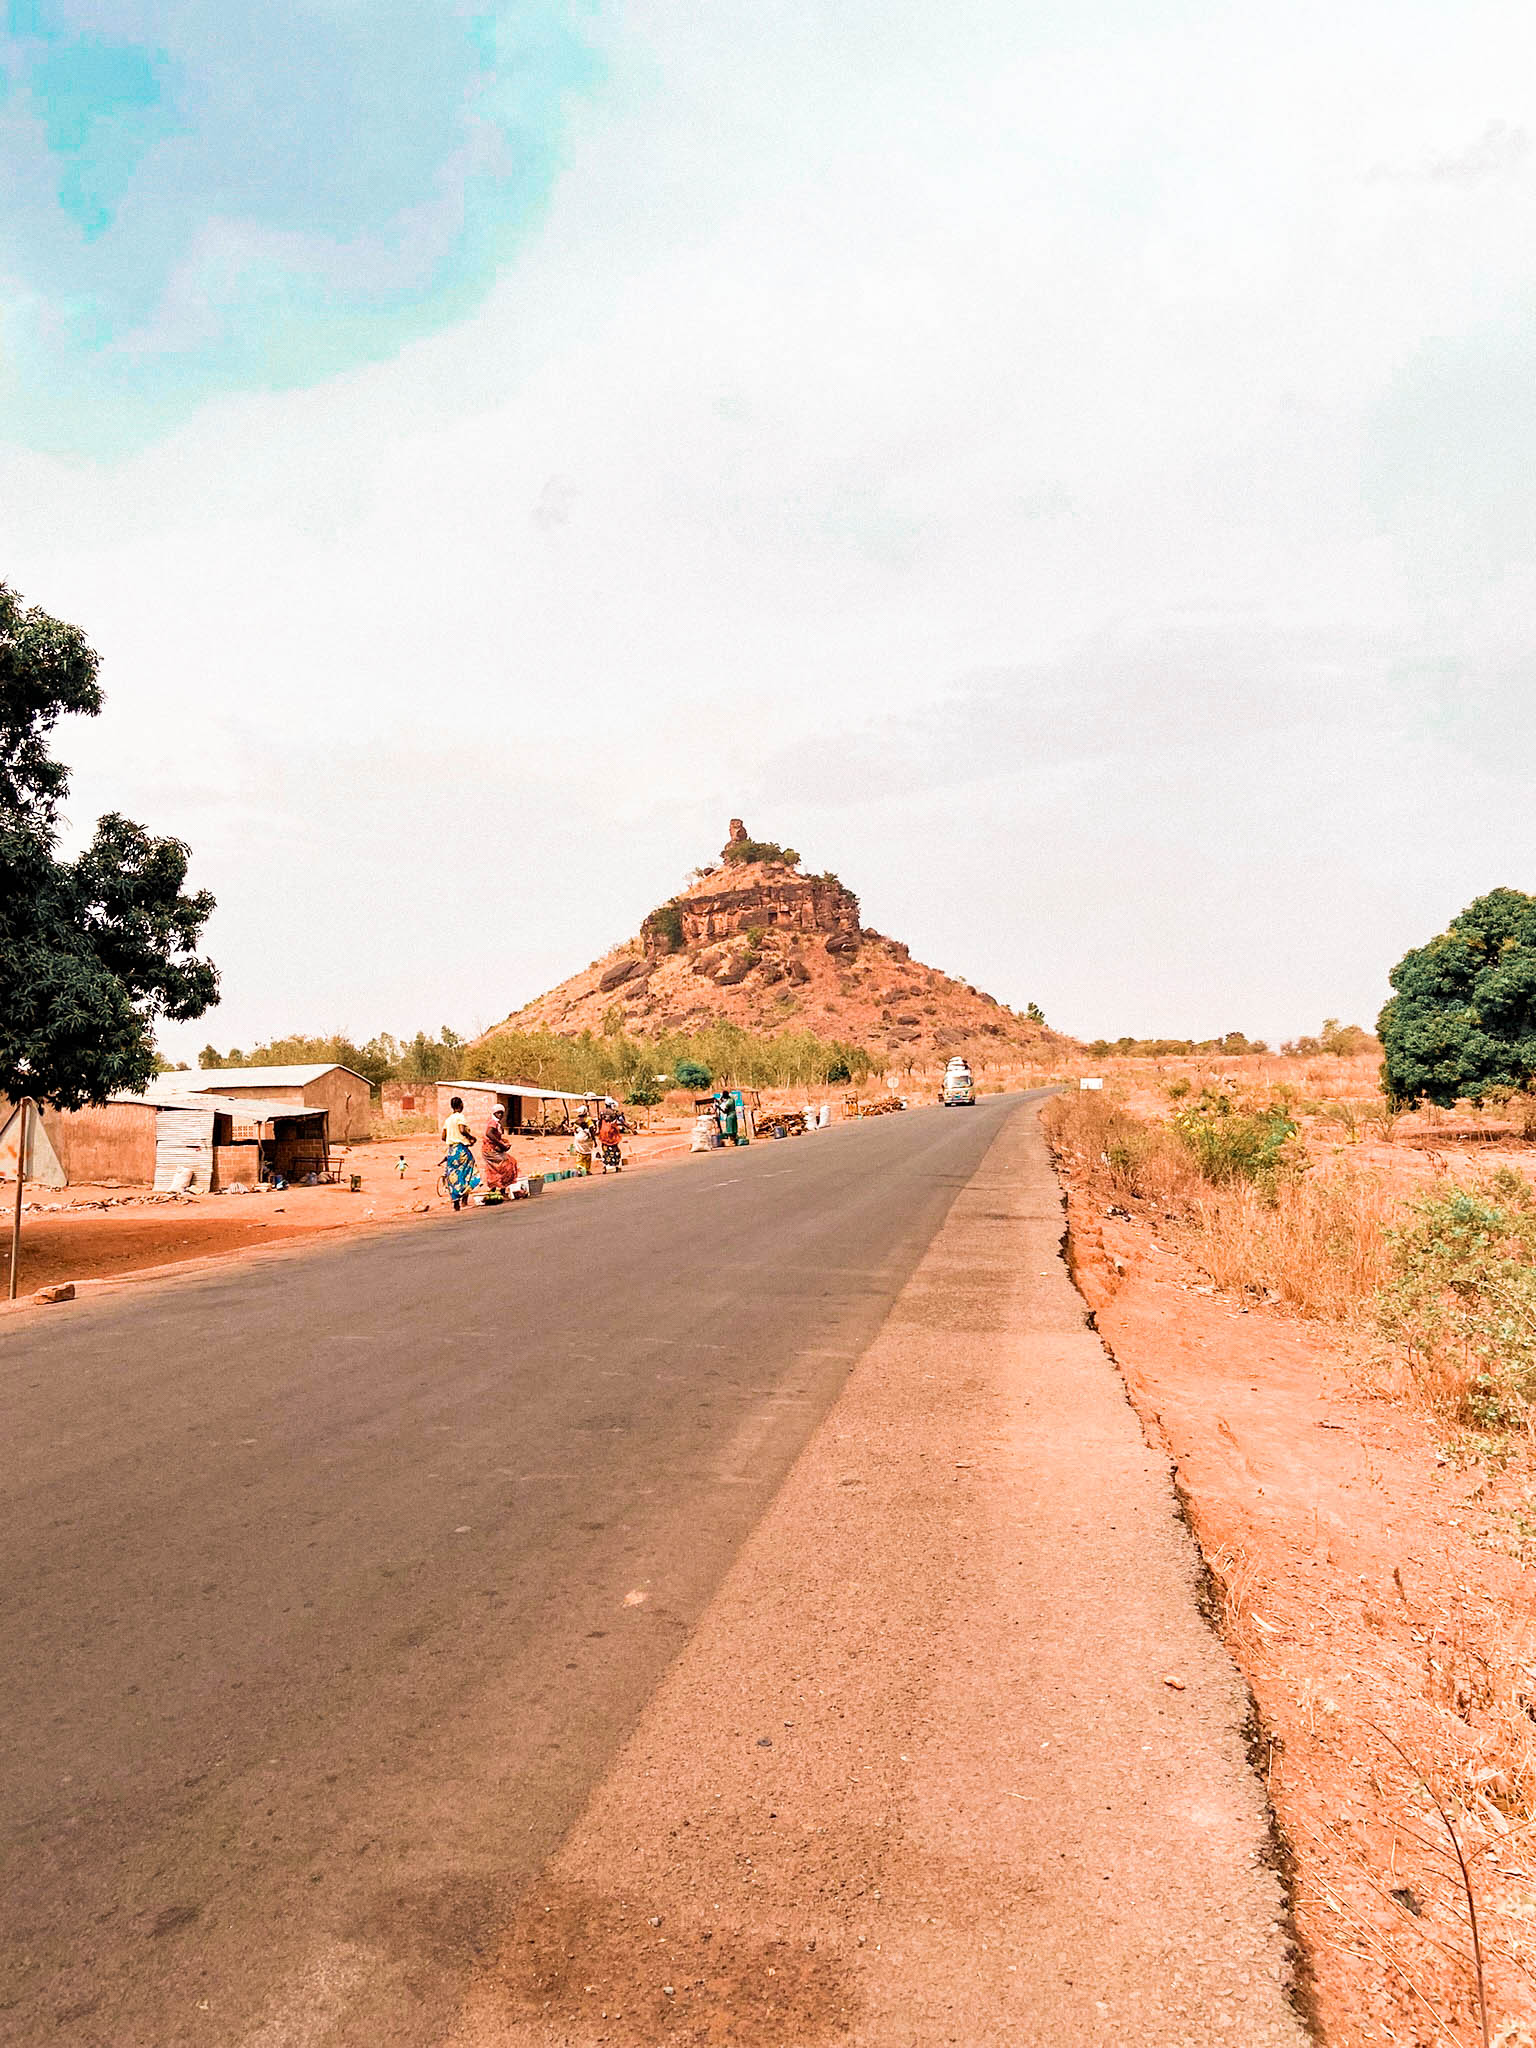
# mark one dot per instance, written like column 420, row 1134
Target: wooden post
column 21, row 1168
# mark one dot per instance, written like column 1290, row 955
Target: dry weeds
column 1315, row 1240
column 1320, row 1246
column 1391, row 1645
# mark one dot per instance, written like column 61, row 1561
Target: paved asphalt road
column 333, row 1579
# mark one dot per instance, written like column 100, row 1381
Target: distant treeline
column 1341, row 1039
column 612, row 1061
column 1174, row 1048
column 383, row 1057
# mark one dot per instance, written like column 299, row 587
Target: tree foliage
column 1232, row 1046
column 1341, row 1040
column 1463, row 1019
column 616, row 1062
column 382, row 1058
column 611, row 1062
column 94, row 950
column 744, row 850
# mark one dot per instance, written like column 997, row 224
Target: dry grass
column 1401, row 1702
column 1235, row 1577
column 1319, row 1245
column 1312, row 1226
column 1128, row 1154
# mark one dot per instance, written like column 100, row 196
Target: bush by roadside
column 1445, row 1280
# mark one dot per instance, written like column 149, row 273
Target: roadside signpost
column 26, row 1152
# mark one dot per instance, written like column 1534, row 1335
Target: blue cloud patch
column 203, row 199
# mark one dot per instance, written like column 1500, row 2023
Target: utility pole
column 21, row 1170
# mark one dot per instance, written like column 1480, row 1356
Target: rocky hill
column 756, row 941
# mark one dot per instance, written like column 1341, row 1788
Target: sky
column 1068, row 466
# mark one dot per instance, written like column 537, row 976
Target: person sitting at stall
column 459, row 1159
column 496, row 1155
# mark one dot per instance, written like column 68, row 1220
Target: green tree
column 376, row 1061
column 1344, row 1040
column 1463, row 1019
column 1035, row 1014
column 431, row 1059
column 692, row 1074
column 94, row 950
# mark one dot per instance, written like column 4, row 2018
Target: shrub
column 643, row 1094
column 383, row 1058
column 1462, row 1301
column 744, row 850
column 1234, row 1143
column 691, row 1074
column 664, row 927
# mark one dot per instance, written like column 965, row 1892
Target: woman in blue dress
column 459, row 1173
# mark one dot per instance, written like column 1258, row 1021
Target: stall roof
column 519, row 1088
column 206, row 1080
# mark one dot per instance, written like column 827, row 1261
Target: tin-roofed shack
column 139, row 1141
column 343, row 1094
column 529, row 1110
column 244, row 1142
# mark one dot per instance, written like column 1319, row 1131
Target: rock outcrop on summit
column 755, row 941
column 754, row 889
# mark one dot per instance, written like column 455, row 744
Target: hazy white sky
column 1068, row 467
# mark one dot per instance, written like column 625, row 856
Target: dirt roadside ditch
column 953, row 1755
column 1376, row 1592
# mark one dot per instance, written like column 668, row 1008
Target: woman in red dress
column 497, row 1163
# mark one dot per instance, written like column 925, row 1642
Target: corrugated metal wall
column 184, row 1139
